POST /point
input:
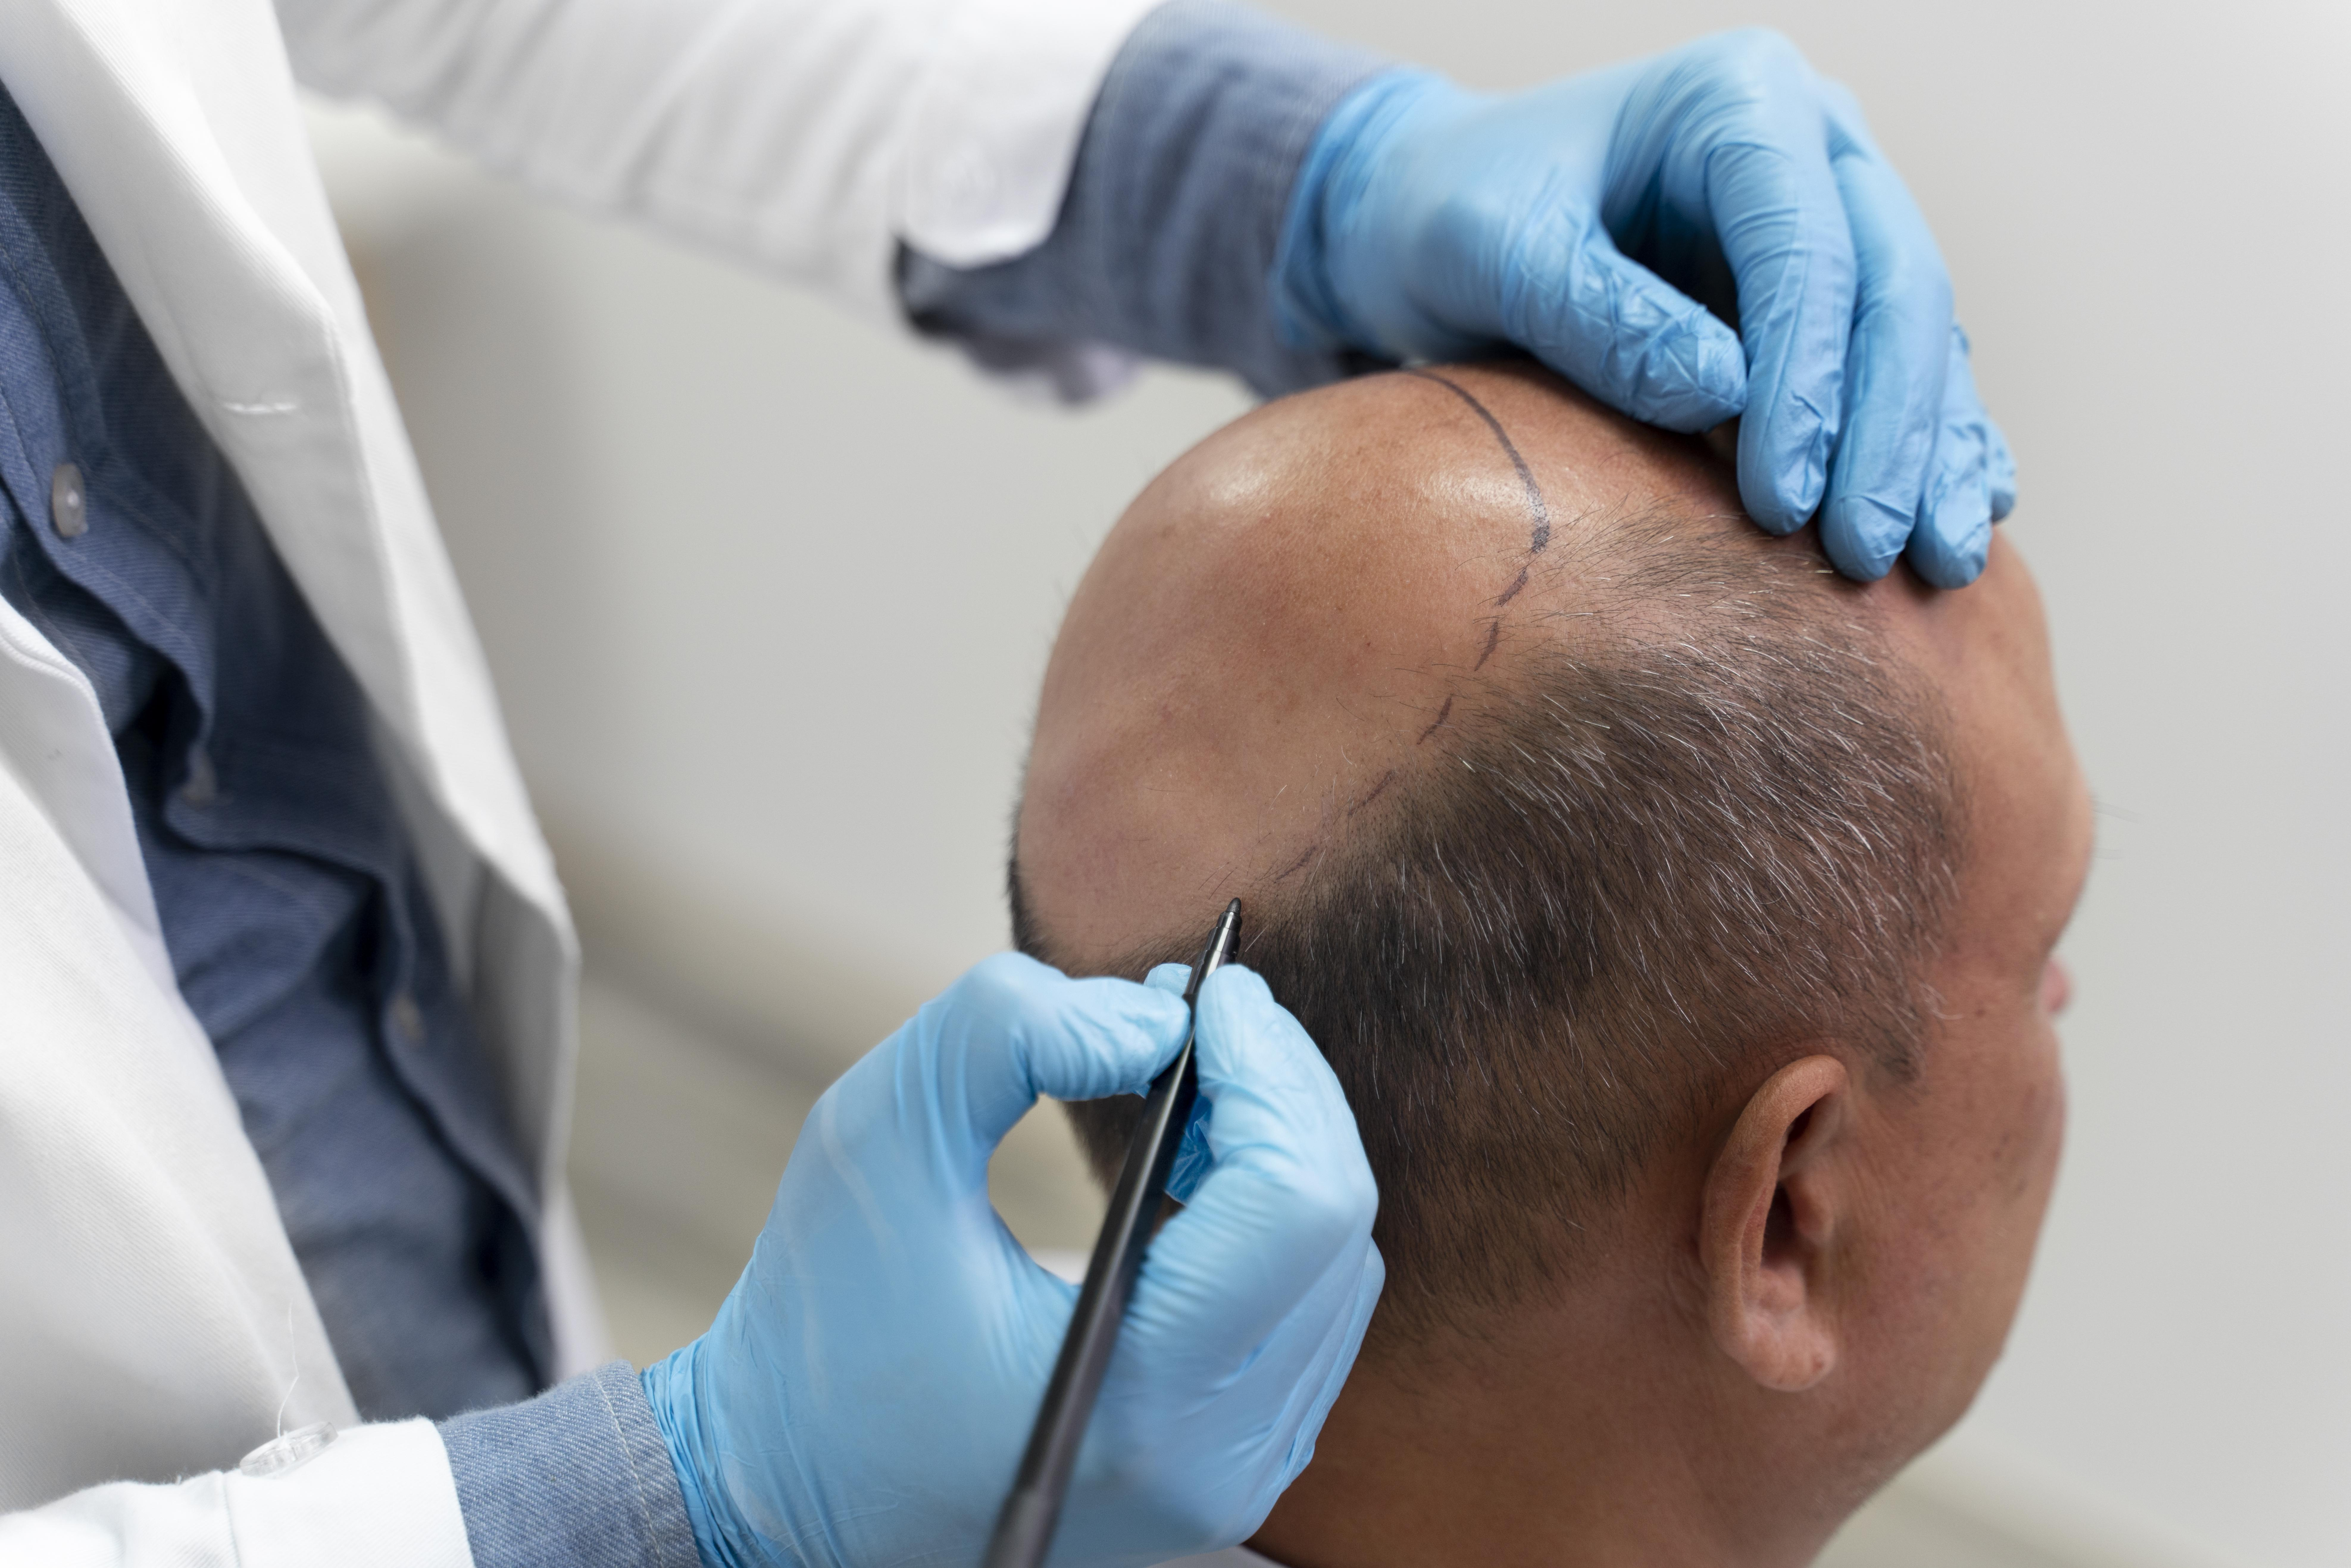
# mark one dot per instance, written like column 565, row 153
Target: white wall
column 768, row 592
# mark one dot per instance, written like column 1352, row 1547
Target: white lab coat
column 152, row 1317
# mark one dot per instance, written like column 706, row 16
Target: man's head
column 1676, row 915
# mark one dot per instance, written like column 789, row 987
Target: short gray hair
column 1665, row 850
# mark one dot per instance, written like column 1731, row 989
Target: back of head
column 1565, row 804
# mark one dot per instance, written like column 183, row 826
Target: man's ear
column 1773, row 1204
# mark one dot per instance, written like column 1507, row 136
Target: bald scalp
column 1297, row 613
column 1564, row 802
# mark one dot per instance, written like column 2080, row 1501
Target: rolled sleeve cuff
column 577, row 1477
column 1165, row 240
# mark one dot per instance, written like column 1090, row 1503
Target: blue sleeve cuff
column 577, row 1477
column 1166, row 238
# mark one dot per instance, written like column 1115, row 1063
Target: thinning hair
column 1703, row 826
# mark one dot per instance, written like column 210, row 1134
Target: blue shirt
column 289, row 898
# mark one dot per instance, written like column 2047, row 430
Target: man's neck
column 1408, row 1478
column 1530, row 1453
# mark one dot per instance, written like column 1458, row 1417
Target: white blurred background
column 768, row 591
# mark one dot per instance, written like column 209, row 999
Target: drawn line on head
column 1513, row 590
column 1377, row 791
column 1300, row 862
column 1438, row 722
column 1535, row 503
column 1493, row 640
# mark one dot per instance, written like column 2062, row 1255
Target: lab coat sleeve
column 811, row 137
column 377, row 1497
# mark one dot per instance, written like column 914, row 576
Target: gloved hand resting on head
column 864, row 1394
column 1591, row 222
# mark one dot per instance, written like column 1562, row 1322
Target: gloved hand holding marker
column 1032, row 1509
column 826, row 1427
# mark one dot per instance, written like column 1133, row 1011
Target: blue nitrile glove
column 863, row 1397
column 1587, row 220
column 1193, row 1156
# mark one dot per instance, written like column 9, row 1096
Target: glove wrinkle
column 1707, row 234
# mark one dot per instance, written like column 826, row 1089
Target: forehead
column 1985, row 650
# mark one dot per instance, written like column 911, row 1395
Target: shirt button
column 69, row 512
column 203, row 786
column 407, row 1021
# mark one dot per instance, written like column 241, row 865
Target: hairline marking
column 1493, row 641
column 1377, row 791
column 1535, row 503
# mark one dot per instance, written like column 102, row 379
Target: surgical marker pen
column 1025, row 1529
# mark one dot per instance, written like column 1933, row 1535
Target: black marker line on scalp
column 1535, row 505
column 1377, row 791
column 1438, row 722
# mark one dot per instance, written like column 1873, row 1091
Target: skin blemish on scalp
column 1437, row 723
column 1377, row 791
column 1536, row 508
